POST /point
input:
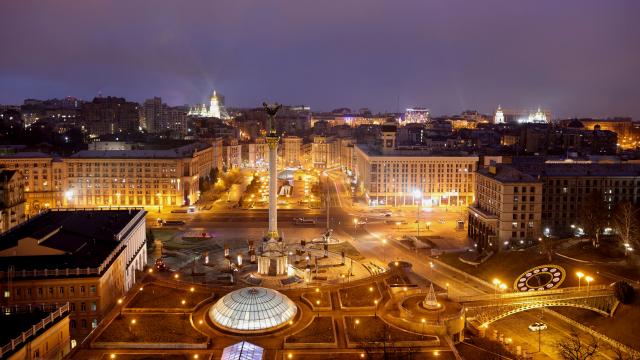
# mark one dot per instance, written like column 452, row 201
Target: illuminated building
column 12, row 200
column 215, row 109
column 291, row 151
column 416, row 116
column 85, row 258
column 507, row 210
column 503, row 116
column 89, row 179
column 44, row 178
column 325, row 153
column 391, row 175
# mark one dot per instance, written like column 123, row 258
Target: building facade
column 109, row 115
column 508, row 208
column 291, row 151
column 85, row 258
column 12, row 201
column 389, row 176
column 90, row 179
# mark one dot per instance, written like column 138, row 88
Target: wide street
column 375, row 236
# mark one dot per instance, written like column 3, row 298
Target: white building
column 391, row 176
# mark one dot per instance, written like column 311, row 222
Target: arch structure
column 484, row 313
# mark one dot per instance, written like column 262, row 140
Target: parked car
column 538, row 326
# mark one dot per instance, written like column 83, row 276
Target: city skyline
column 441, row 56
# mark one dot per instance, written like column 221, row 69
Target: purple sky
column 575, row 58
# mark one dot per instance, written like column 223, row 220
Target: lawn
column 357, row 296
column 151, row 356
column 616, row 327
column 156, row 296
column 319, row 331
column 349, row 250
column 372, row 329
column 323, row 296
column 508, row 265
column 155, row 328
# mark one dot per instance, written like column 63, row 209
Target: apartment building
column 92, row 178
column 291, row 151
column 87, row 258
column 508, row 208
column 393, row 176
column 44, row 178
column 11, row 199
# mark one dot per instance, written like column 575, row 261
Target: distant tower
column 214, row 106
column 499, row 116
column 388, row 134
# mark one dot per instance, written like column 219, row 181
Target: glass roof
column 252, row 309
column 242, row 351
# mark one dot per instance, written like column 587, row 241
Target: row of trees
column 596, row 216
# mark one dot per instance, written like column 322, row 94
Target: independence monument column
column 272, row 141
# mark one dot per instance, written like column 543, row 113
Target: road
column 373, row 240
column 516, row 328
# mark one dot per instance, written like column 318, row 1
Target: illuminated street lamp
column 580, row 275
column 384, row 250
column 423, row 322
column 589, row 280
column 418, row 195
column 375, row 310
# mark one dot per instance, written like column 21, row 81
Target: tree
column 594, row 216
column 575, row 348
column 213, row 175
column 625, row 223
column 547, row 247
column 622, row 355
column 624, row 292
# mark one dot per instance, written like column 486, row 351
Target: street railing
column 591, row 291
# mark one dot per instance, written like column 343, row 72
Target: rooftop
column 507, row 174
column 176, row 153
column 374, row 151
column 65, row 239
column 580, row 169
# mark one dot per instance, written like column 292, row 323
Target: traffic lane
column 516, row 327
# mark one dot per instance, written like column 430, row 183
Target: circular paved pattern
column 253, row 309
column 543, row 277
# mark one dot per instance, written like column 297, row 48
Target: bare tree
column 547, row 247
column 594, row 216
column 621, row 354
column 625, row 222
column 575, row 348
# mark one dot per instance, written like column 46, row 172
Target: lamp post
column 384, row 250
column 495, row 282
column 375, row 309
column 423, row 322
column 589, row 280
column 579, row 275
column 418, row 195
column 318, row 305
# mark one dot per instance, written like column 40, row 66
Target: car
column 387, row 214
column 537, row 326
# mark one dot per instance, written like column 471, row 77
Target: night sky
column 575, row 58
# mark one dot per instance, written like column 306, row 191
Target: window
column 83, row 307
column 83, row 323
column 82, row 289
column 92, row 289
column 93, row 306
column 72, row 324
column 94, row 323
column 71, row 290
column 61, row 290
column 7, row 293
column 72, row 306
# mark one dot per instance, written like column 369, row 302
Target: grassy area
column 616, row 327
column 348, row 249
column 164, row 234
column 362, row 295
column 155, row 328
column 372, row 329
column 323, row 296
column 508, row 265
column 150, row 356
column 156, row 296
column 319, row 331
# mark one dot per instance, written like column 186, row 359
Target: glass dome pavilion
column 253, row 309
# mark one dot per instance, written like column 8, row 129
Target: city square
column 233, row 180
